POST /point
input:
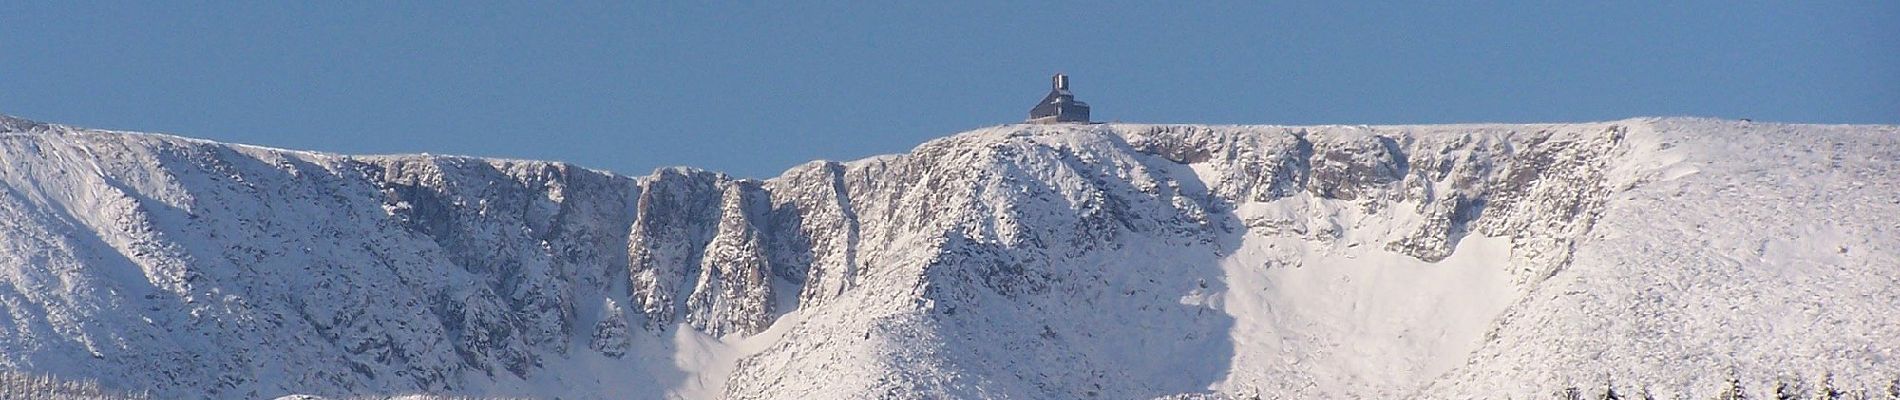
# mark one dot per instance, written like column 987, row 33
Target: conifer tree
column 1789, row 388
column 1734, row 390
column 1570, row 393
column 1609, row 391
column 1825, row 390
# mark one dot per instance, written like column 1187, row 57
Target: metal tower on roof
column 1059, row 106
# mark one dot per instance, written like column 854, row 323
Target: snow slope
column 1675, row 256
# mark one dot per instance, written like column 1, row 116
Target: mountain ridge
column 923, row 273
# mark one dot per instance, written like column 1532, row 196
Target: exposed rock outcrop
column 1056, row 261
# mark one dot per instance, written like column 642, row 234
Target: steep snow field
column 1673, row 256
column 1764, row 253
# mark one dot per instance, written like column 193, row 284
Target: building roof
column 1060, row 104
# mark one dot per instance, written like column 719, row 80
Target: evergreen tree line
column 1786, row 387
column 15, row 385
column 21, row 385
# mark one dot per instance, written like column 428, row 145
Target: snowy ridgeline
column 1675, row 257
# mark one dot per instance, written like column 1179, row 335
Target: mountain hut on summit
column 1059, row 106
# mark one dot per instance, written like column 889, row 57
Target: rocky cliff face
column 1017, row 261
column 1025, row 227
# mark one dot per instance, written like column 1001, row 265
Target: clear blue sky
column 752, row 88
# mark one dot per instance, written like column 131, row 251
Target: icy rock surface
column 1019, row 261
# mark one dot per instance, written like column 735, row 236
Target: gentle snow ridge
column 1667, row 255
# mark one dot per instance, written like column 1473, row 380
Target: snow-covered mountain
column 1673, row 256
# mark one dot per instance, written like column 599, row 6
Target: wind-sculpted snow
column 1019, row 261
